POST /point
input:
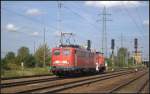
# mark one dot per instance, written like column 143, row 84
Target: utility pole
column 44, row 48
column 34, row 53
column 104, row 33
column 122, row 55
column 59, row 21
column 117, row 57
column 126, row 58
column 128, row 55
column 121, row 40
column 34, row 47
column 133, row 58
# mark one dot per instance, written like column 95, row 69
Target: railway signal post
column 135, row 46
column 112, row 47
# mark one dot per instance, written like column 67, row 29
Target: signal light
column 135, row 43
column 112, row 43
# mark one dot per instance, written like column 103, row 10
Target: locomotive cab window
column 57, row 52
column 66, row 52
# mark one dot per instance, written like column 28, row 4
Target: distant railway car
column 73, row 59
column 100, row 61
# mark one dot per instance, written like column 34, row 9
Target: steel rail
column 142, row 87
column 126, row 83
column 20, row 77
column 78, row 83
column 5, row 85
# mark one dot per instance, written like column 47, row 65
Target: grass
column 41, row 71
column 25, row 72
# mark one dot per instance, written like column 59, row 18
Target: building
column 138, row 57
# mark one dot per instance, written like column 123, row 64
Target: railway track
column 18, row 81
column 11, row 78
column 62, row 87
column 65, row 85
column 129, row 82
column 143, row 86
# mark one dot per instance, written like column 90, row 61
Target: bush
column 12, row 66
column 30, row 61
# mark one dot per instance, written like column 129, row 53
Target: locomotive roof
column 71, row 45
column 99, row 53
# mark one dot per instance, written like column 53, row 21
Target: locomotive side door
column 75, row 58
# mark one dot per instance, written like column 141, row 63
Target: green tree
column 39, row 55
column 9, row 62
column 23, row 54
column 3, row 65
column 30, row 61
column 10, row 55
column 130, row 61
column 109, row 62
column 121, row 55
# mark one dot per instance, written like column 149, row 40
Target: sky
column 23, row 24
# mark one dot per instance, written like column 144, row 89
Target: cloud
column 11, row 28
column 35, row 34
column 112, row 3
column 33, row 12
column 146, row 22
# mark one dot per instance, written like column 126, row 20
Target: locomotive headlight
column 65, row 62
column 56, row 62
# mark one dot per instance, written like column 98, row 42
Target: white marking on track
column 32, row 84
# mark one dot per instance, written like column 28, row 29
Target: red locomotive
column 74, row 59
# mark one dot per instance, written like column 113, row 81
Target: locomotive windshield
column 57, row 52
column 66, row 52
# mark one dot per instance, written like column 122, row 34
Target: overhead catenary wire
column 139, row 16
column 129, row 15
column 29, row 18
column 79, row 7
column 132, row 18
column 82, row 17
column 140, row 19
column 103, row 34
column 123, row 8
column 77, row 14
column 134, row 21
column 24, row 27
